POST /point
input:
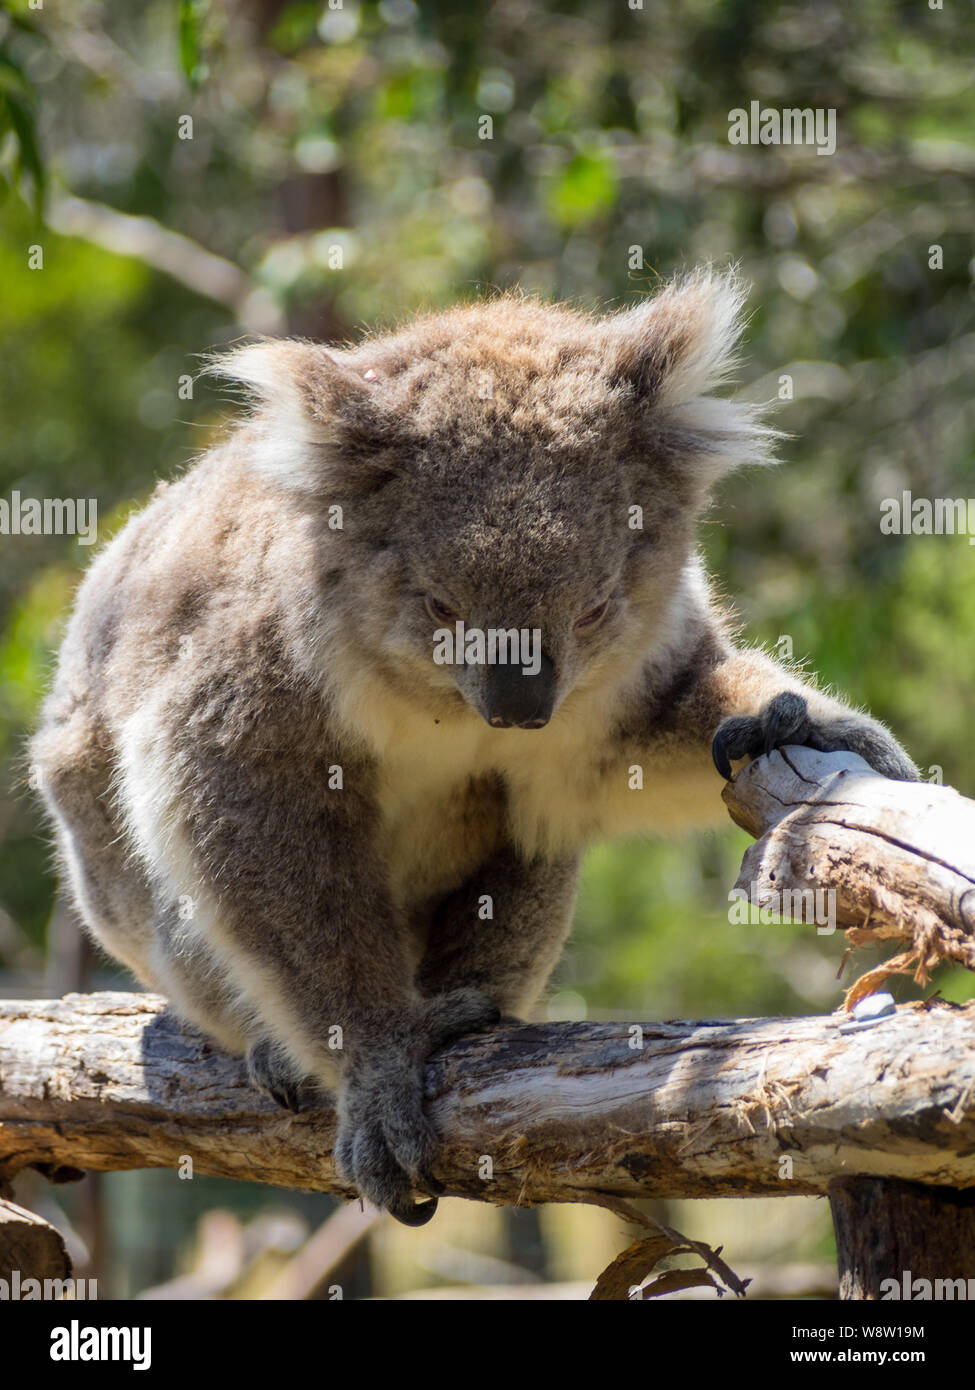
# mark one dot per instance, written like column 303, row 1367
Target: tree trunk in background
column 305, row 202
column 887, row 1229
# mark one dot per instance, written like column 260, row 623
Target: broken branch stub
column 898, row 858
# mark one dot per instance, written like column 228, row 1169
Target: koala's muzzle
column 516, row 699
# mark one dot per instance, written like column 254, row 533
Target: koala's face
column 521, row 588
column 522, row 483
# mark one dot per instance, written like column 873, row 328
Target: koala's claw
column 387, row 1146
column 273, row 1077
column 785, row 719
column 417, row 1214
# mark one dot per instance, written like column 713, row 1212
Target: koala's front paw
column 386, row 1144
column 786, row 719
column 274, row 1076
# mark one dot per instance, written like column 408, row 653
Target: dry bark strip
column 554, row 1112
column 899, row 856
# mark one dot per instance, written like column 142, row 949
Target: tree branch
column 554, row 1112
column 896, row 858
column 169, row 252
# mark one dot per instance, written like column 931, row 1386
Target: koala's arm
column 290, row 899
column 745, row 704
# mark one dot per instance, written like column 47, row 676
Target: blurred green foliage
column 18, row 115
column 359, row 130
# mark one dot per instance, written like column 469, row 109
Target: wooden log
column 897, row 859
column 896, row 862
column 554, row 1112
column 30, row 1248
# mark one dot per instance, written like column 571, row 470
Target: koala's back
column 174, row 629
column 178, row 568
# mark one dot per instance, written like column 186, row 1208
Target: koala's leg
column 289, row 899
column 197, row 985
column 202, row 990
column 503, row 931
column 752, row 705
column 104, row 878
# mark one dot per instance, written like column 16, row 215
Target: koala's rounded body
column 330, row 849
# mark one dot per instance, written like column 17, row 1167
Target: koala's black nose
column 514, row 699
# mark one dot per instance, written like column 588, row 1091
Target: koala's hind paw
column 386, row 1145
column 786, row 719
column 274, row 1076
column 448, row 1016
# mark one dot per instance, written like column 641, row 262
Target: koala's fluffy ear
column 318, row 422
column 671, row 352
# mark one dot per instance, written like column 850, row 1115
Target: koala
column 332, row 851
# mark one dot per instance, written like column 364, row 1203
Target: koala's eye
column 440, row 611
column 591, row 618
